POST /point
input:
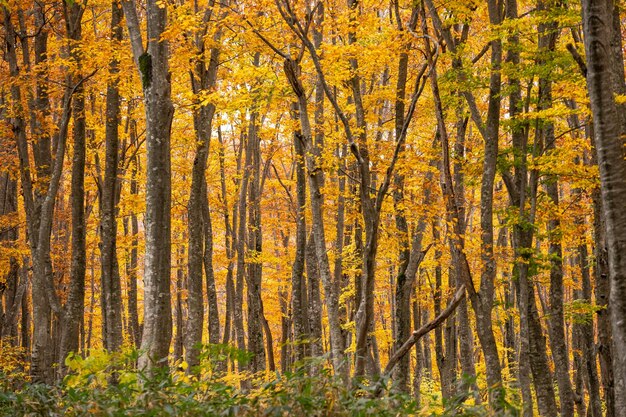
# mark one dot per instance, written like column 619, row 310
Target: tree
column 597, row 30
column 152, row 64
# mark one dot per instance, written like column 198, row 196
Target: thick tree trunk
column 597, row 21
column 154, row 70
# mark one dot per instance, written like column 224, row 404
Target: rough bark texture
column 313, row 152
column 547, row 43
column 597, row 22
column 153, row 67
column 75, row 305
column 299, row 301
column 39, row 198
column 200, row 255
column 254, row 247
column 110, row 278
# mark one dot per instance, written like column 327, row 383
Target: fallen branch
column 428, row 327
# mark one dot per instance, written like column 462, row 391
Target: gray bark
column 313, row 152
column 75, row 305
column 299, row 299
column 203, row 79
column 154, row 70
column 110, row 276
column 597, row 21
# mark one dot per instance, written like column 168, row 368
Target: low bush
column 109, row 385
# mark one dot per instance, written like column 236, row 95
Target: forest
column 312, row 208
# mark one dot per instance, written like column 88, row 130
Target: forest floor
column 106, row 385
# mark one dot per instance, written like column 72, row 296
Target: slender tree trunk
column 12, row 289
column 242, row 209
column 229, row 245
column 39, row 201
column 254, row 247
column 178, row 303
column 75, row 306
column 203, row 79
column 404, row 283
column 110, row 276
column 313, row 152
column 482, row 302
column 547, row 42
column 212, row 302
column 299, row 301
column 588, row 366
column 602, row 290
column 132, row 266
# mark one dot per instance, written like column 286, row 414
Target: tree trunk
column 254, row 246
column 313, row 153
column 203, row 80
column 548, row 35
column 75, row 305
column 110, row 276
column 299, row 300
column 12, row 288
column 154, row 70
column 597, row 22
column 132, row 265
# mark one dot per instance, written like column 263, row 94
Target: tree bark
column 597, row 22
column 203, row 80
column 154, row 70
column 313, row 152
column 299, row 300
column 110, row 276
column 75, row 305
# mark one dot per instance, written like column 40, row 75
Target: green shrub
column 108, row 385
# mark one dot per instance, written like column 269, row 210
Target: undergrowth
column 109, row 385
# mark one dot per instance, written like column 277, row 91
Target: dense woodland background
column 431, row 191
